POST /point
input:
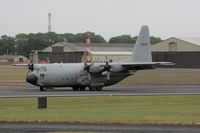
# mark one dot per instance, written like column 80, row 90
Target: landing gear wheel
column 50, row 88
column 99, row 88
column 75, row 88
column 82, row 88
column 43, row 89
column 91, row 89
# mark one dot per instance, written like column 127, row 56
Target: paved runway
column 24, row 127
column 26, row 90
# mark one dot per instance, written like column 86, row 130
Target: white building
column 13, row 59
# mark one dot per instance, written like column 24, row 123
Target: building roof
column 114, row 47
column 110, row 53
column 95, row 46
column 193, row 40
column 10, row 56
column 182, row 44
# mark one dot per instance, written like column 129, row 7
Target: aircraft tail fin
column 142, row 49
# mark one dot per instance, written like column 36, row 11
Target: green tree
column 52, row 37
column 155, row 40
column 68, row 37
column 21, row 40
column 7, row 45
column 121, row 39
column 129, row 39
column 23, row 44
column 81, row 38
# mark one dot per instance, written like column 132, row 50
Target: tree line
column 22, row 44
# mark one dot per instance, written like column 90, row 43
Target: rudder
column 142, row 49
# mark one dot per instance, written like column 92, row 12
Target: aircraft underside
column 95, row 84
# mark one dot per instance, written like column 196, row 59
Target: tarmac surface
column 33, row 128
column 25, row 90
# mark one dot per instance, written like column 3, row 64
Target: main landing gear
column 79, row 88
column 42, row 88
column 82, row 88
column 90, row 88
column 95, row 88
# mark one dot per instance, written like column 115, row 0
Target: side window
column 42, row 76
column 43, row 69
column 37, row 70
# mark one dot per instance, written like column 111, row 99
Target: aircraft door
column 43, row 77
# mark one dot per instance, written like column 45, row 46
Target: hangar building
column 74, row 52
column 10, row 59
column 185, row 52
column 177, row 45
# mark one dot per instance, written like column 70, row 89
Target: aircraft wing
column 143, row 65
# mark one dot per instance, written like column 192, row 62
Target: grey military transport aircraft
column 93, row 75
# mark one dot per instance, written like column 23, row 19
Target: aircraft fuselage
column 70, row 75
column 97, row 75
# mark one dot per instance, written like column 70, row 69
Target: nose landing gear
column 43, row 88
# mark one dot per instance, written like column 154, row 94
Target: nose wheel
column 43, row 88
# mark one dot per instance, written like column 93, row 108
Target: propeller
column 107, row 69
column 30, row 67
column 87, row 68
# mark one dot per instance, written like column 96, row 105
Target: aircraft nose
column 32, row 78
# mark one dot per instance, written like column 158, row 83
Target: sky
column 165, row 18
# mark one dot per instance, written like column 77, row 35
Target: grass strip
column 184, row 110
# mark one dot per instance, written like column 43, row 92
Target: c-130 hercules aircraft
column 93, row 75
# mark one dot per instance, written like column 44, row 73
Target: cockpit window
column 43, row 69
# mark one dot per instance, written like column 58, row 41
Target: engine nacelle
column 116, row 68
column 96, row 68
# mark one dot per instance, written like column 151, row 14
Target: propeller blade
column 107, row 68
column 89, row 76
column 108, row 75
column 30, row 67
column 87, row 68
